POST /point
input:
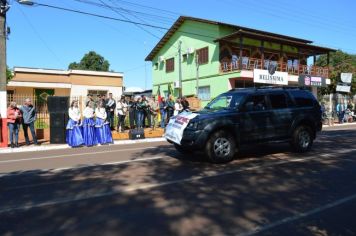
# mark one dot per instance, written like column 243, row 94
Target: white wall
column 82, row 90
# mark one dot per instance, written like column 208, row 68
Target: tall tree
column 9, row 74
column 339, row 62
column 91, row 61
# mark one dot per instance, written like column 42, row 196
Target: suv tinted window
column 278, row 100
column 255, row 103
column 303, row 98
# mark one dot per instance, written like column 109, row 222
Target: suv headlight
column 193, row 125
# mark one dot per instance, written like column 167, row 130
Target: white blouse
column 74, row 113
column 101, row 113
column 177, row 108
column 88, row 112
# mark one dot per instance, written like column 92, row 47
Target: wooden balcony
column 247, row 63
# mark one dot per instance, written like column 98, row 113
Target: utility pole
column 3, row 110
column 180, row 68
column 197, row 72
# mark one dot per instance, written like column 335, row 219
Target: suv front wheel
column 302, row 139
column 220, row 147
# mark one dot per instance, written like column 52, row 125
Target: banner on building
column 344, row 88
column 346, row 77
column 176, row 126
column 270, row 77
column 311, row 81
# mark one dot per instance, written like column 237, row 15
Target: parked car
column 253, row 115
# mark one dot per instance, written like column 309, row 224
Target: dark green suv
column 253, row 115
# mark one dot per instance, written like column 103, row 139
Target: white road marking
column 301, row 215
column 74, row 154
column 209, row 174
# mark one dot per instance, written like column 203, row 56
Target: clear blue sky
column 47, row 38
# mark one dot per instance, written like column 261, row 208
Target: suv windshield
column 225, row 101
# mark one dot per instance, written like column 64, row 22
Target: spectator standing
column 13, row 122
column 178, row 108
column 121, row 114
column 185, row 104
column 140, row 107
column 163, row 110
column 110, row 105
column 154, row 108
column 170, row 108
column 132, row 111
column 74, row 136
column 146, row 112
column 89, row 98
column 340, row 110
column 29, row 118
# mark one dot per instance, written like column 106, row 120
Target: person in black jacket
column 132, row 112
column 110, row 106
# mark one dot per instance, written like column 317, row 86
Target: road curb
column 65, row 146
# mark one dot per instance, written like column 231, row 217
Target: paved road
column 150, row 189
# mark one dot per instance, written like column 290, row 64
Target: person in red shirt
column 13, row 121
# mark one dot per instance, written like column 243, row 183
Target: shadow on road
column 130, row 199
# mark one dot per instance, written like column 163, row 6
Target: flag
column 170, row 91
column 159, row 99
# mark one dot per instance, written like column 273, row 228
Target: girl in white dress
column 74, row 136
column 102, row 126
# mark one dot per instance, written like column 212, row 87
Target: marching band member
column 89, row 136
column 74, row 136
column 102, row 127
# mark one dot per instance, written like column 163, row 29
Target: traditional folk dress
column 102, row 127
column 89, row 135
column 74, row 136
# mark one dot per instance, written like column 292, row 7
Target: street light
column 26, row 2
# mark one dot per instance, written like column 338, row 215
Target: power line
column 149, row 7
column 132, row 14
column 160, row 18
column 125, row 21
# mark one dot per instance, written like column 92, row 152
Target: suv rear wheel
column 220, row 147
column 302, row 139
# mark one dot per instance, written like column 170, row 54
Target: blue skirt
column 74, row 136
column 103, row 132
column 89, row 135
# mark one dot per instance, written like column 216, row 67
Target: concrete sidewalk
column 340, row 125
column 47, row 146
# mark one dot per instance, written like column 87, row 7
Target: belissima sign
column 265, row 77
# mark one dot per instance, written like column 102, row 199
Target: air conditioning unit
column 190, row 50
column 161, row 59
column 176, row 84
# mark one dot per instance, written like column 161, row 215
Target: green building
column 225, row 56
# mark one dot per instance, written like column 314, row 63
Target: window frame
column 170, row 65
column 202, row 87
column 202, row 56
